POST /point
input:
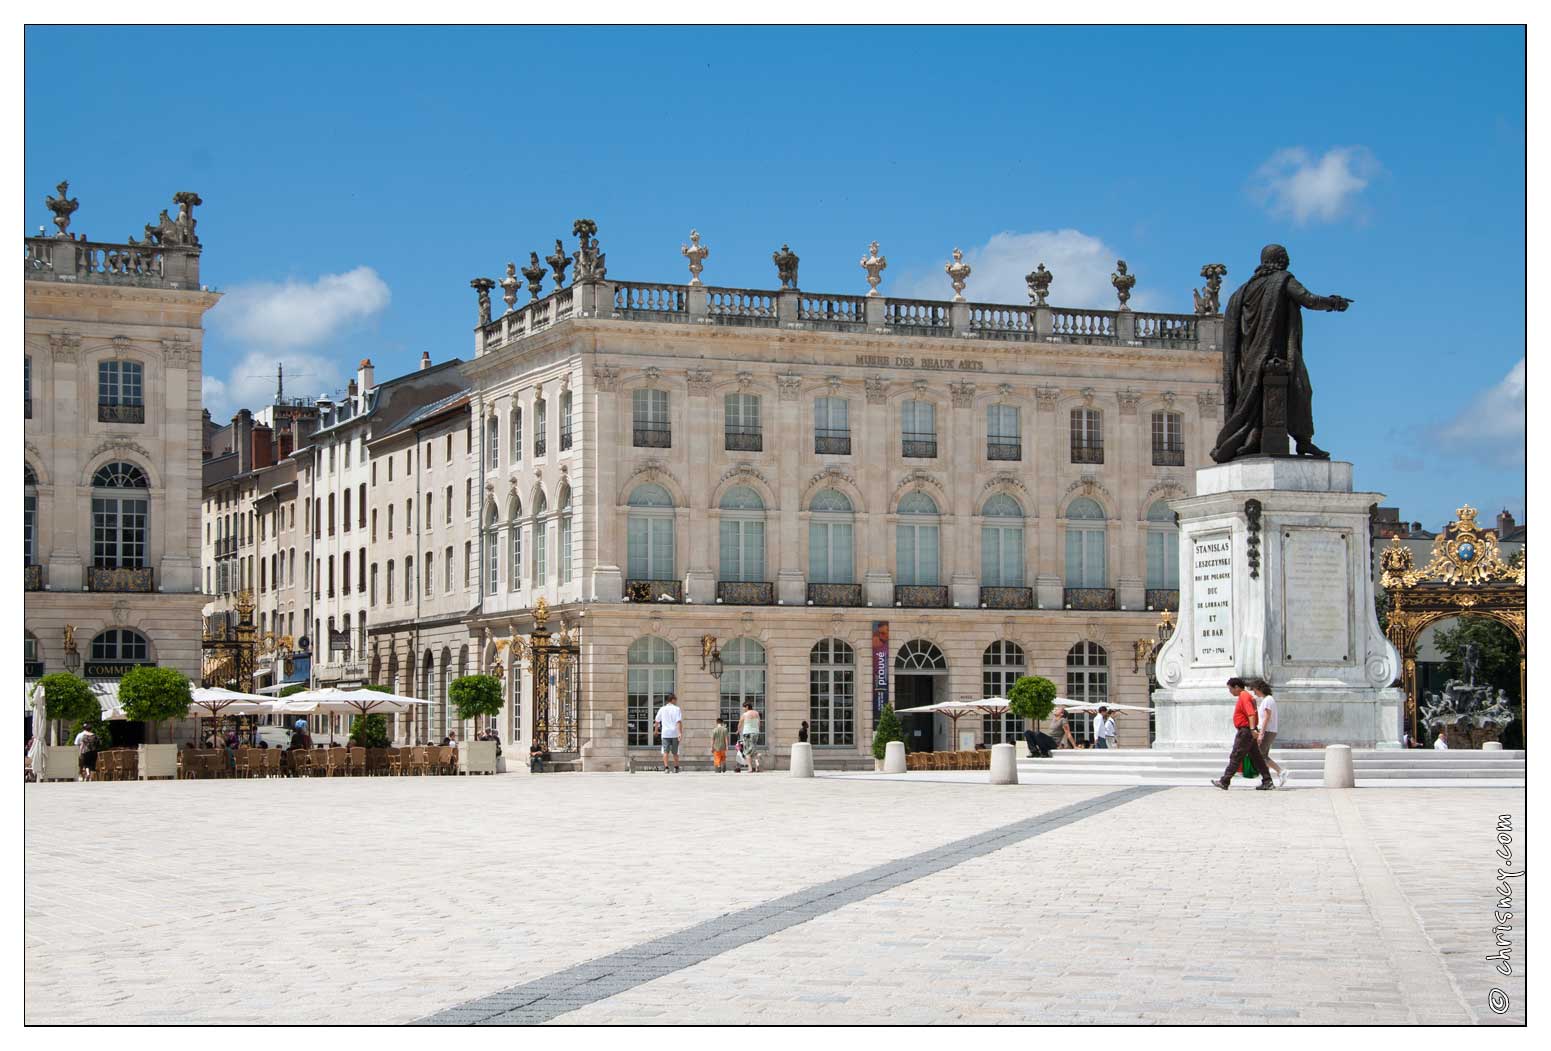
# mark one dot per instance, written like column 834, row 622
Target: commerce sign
column 880, row 666
column 113, row 669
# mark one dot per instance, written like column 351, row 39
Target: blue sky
column 355, row 180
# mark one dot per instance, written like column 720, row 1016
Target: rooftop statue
column 1266, row 391
column 63, row 207
column 786, row 266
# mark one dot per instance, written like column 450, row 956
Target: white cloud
column 1080, row 262
column 299, row 313
column 1292, row 183
column 1491, row 427
column 251, row 382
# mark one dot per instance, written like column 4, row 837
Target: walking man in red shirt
column 1245, row 720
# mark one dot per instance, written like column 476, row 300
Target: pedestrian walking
column 1265, row 708
column 86, row 744
column 802, row 732
column 1245, row 722
column 669, row 719
column 748, row 732
column 719, row 746
column 1107, row 733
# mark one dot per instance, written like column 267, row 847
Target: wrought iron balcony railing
column 745, row 593
column 566, row 439
column 1087, row 452
column 654, row 591
column 100, row 578
column 1007, row 598
column 835, row 595
column 918, row 445
column 120, row 413
column 744, row 440
column 33, row 575
column 1089, row 598
column 540, row 446
column 1168, row 456
column 1004, row 449
column 652, row 436
column 831, row 442
column 921, row 596
column 1163, row 598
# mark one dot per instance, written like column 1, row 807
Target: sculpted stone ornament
column 509, row 285
column 957, row 271
column 1266, row 391
column 1038, row 281
column 179, row 231
column 482, row 287
column 786, row 266
column 875, row 265
column 1124, row 281
column 534, row 272
column 589, row 257
column 558, row 262
column 696, row 253
column 63, row 207
column 1207, row 302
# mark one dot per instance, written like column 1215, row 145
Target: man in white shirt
column 669, row 720
column 1265, row 709
column 1107, row 732
column 1439, row 742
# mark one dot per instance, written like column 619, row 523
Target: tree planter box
column 158, row 760
column 61, row 762
column 476, row 757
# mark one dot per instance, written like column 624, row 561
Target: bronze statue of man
column 1266, row 393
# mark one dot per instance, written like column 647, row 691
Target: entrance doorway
column 921, row 678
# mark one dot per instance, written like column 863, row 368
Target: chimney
column 1416, row 527
column 1505, row 523
column 263, row 446
column 242, row 440
column 350, row 392
column 363, row 375
column 425, row 360
column 285, row 442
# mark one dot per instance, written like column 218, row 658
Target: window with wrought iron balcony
column 828, row 441
column 920, row 445
column 1087, row 452
column 744, row 439
column 1168, row 441
column 1004, row 448
column 120, row 392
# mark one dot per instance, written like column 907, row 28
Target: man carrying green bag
column 1246, row 749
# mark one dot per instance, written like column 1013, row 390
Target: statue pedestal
column 1275, row 581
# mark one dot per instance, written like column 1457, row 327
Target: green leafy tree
column 1032, row 697
column 294, row 688
column 370, row 731
column 68, row 699
column 155, row 695
column 888, row 729
column 476, row 695
column 1497, row 650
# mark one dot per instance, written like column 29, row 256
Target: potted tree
column 474, row 696
column 1032, row 697
column 888, row 729
column 153, row 696
column 67, row 699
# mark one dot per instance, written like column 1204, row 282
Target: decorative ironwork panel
column 1007, row 598
column 832, row 444
column 1087, row 453
column 654, row 590
column 745, row 593
column 1004, row 449
column 99, row 579
column 835, row 594
column 921, row 596
column 1089, row 598
column 34, row 578
column 919, row 448
column 539, row 446
column 1163, row 598
column 744, row 441
column 565, row 440
column 120, row 413
column 555, row 661
column 652, row 437
column 1168, row 457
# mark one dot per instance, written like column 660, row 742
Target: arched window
column 650, row 672
column 516, row 433
column 492, row 442
column 1002, row 664
column 514, row 561
column 1162, row 548
column 1087, row 680
column 920, row 655
column 743, row 679
column 563, row 540
column 649, row 534
column 30, row 513
column 832, row 693
column 1001, row 543
column 1085, row 544
column 742, row 535
column 916, row 548
column 831, row 538
column 121, row 516
column 540, row 426
column 120, row 644
column 540, row 541
column 492, row 549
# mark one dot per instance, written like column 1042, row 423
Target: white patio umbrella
column 217, row 702
column 956, row 710
column 331, row 700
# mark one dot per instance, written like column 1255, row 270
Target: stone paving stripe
column 553, row 995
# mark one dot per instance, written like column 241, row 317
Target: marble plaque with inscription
column 1316, row 596
column 1211, row 591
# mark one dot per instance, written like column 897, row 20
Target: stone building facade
column 113, row 340
column 681, row 471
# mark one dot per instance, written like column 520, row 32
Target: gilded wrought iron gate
column 555, row 660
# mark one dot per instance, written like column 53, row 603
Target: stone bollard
column 1491, row 746
column 802, row 759
column 1338, row 766
column 894, row 758
column 1004, row 764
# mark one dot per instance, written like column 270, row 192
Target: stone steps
column 1301, row 765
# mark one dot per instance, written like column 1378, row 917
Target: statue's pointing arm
column 1304, row 298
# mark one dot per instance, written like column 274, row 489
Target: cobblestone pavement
column 383, row 900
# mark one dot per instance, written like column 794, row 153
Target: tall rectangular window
column 831, row 426
column 918, row 426
column 492, row 562
column 1087, row 436
column 447, row 578
column 1168, row 439
column 1004, row 433
column 540, row 427
column 565, row 420
column 650, row 427
column 741, row 423
column 120, row 392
